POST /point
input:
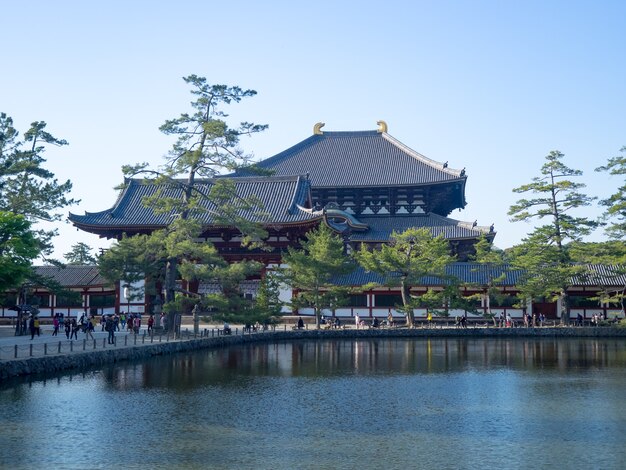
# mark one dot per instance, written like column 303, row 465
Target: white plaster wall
column 364, row 312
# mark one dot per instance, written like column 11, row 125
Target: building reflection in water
column 232, row 366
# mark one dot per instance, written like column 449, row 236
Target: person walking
column 150, row 324
column 109, row 326
column 67, row 325
column 75, row 328
column 55, row 324
column 89, row 327
column 32, row 327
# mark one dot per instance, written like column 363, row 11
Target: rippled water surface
column 440, row 403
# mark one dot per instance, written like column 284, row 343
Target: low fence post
column 84, row 344
column 31, row 350
column 16, row 351
column 60, row 346
column 45, row 349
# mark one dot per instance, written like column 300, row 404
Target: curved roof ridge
column 465, row 224
column 349, row 133
column 120, row 196
column 296, row 197
column 278, row 197
column 422, row 158
column 255, row 178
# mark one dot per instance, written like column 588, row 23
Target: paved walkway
column 21, row 347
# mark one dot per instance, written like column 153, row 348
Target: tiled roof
column 73, row 275
column 357, row 159
column 381, row 227
column 474, row 273
column 279, row 196
column 479, row 274
column 601, row 274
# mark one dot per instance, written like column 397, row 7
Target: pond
column 370, row 403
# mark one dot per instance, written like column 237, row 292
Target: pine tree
column 616, row 203
column 205, row 147
column 543, row 254
column 80, row 254
column 310, row 269
column 410, row 257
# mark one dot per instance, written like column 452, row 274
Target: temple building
column 363, row 184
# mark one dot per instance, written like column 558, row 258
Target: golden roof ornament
column 382, row 126
column 317, row 128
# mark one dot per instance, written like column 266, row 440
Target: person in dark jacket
column 75, row 327
column 32, row 327
column 68, row 326
column 109, row 325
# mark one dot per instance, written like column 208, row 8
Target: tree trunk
column 488, row 302
column 170, row 291
column 19, row 331
column 565, row 309
column 406, row 301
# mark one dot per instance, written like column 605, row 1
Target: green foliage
column 615, row 204
column 407, row 260
column 267, row 300
column 27, row 188
column 205, row 147
column 134, row 259
column 557, row 195
column 610, row 254
column 80, row 254
column 543, row 254
column 234, row 307
column 310, row 269
column 607, row 253
column 494, row 267
column 18, row 248
column 338, row 296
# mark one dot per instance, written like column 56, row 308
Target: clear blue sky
column 492, row 86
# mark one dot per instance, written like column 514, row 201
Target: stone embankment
column 89, row 359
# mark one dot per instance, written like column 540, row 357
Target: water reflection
column 374, row 403
column 365, row 357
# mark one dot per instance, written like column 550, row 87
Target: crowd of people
column 528, row 320
column 87, row 324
